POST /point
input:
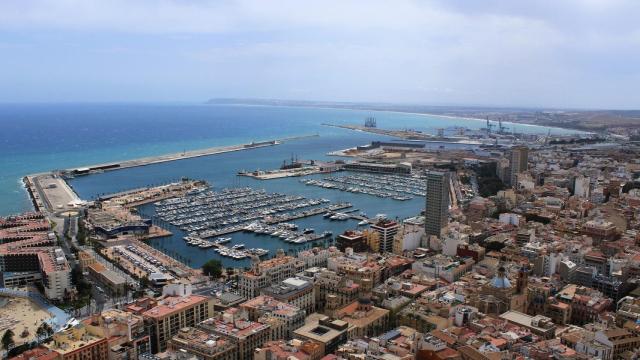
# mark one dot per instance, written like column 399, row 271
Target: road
column 130, row 280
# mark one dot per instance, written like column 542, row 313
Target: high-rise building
column 519, row 162
column 437, row 205
column 581, row 187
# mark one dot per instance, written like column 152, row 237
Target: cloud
column 557, row 53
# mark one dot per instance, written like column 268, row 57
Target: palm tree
column 41, row 332
column 7, row 340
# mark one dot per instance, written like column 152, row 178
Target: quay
column 408, row 134
column 50, row 192
column 177, row 156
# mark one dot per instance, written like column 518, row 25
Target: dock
column 411, row 135
column 307, row 213
column 50, row 192
column 97, row 168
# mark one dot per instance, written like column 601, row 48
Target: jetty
column 97, row 168
column 49, row 191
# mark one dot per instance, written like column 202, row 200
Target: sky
column 567, row 54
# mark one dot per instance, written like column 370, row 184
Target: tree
column 7, row 339
column 145, row 282
column 48, row 329
column 212, row 268
column 41, row 332
column 44, row 331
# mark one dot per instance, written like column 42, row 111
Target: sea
column 42, row 137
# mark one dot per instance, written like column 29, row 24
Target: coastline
column 402, row 112
column 40, row 196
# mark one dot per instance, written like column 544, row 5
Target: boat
column 308, row 231
column 237, row 246
column 363, row 223
column 258, row 251
column 340, row 216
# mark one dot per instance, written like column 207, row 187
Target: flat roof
column 317, row 332
column 173, row 304
column 521, row 319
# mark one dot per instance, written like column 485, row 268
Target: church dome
column 500, row 282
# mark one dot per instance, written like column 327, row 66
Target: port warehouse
column 391, row 145
column 401, row 168
column 87, row 170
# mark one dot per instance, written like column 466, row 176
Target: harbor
column 397, row 187
column 220, row 172
column 237, row 251
column 409, row 134
column 205, row 213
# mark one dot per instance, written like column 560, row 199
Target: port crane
column 370, row 122
column 501, row 128
column 489, row 126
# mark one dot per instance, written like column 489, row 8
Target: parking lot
column 136, row 260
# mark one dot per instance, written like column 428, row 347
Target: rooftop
column 173, row 304
column 269, row 304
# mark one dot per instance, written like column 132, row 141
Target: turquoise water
column 37, row 138
column 41, row 137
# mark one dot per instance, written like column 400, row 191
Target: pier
column 49, row 191
column 311, row 212
column 97, row 168
column 206, row 213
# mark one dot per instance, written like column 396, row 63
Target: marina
column 237, row 252
column 206, row 213
column 221, row 170
column 287, row 233
column 397, row 187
